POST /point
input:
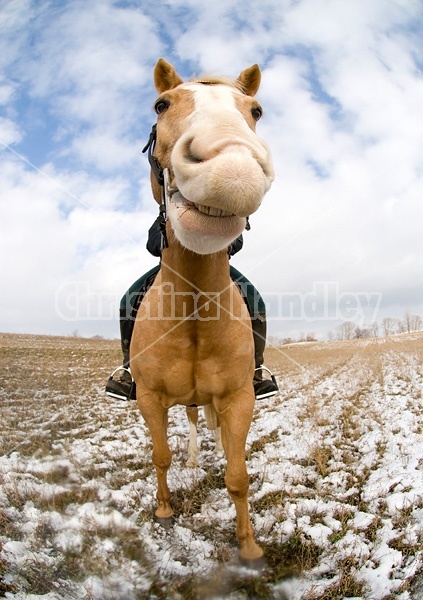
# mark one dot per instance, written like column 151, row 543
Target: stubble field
column 335, row 461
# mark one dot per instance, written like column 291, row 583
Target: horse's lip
column 179, row 200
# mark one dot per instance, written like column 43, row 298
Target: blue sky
column 342, row 92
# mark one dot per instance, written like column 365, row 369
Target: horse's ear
column 165, row 76
column 250, row 79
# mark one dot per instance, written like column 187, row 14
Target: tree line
column 348, row 330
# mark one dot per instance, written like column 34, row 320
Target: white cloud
column 51, row 237
column 104, row 150
column 14, row 21
column 9, row 132
column 342, row 95
column 94, row 45
column 90, row 65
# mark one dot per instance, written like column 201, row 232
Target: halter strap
column 155, row 165
column 158, row 172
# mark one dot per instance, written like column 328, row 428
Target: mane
column 218, row 80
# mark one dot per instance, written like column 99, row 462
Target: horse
column 192, row 343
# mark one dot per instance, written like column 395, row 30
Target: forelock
column 218, row 80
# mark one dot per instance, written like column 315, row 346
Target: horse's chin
column 202, row 233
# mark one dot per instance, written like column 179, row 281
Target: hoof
column 256, row 564
column 165, row 522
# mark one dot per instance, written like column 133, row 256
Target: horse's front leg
column 235, row 420
column 156, row 418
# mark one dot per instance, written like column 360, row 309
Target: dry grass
column 328, row 357
column 50, row 394
column 41, row 376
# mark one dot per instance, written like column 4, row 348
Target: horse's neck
column 188, row 271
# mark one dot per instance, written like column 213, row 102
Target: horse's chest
column 193, row 358
column 191, row 371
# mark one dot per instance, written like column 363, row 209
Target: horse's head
column 220, row 167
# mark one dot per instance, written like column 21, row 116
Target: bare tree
column 374, row 328
column 416, row 323
column 407, row 321
column 345, row 331
column 401, row 326
column 273, row 340
column 362, row 332
column 388, row 325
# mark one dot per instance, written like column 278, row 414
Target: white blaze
column 218, row 162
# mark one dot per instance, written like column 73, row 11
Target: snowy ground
column 336, row 467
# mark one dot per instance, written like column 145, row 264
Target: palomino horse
column 192, row 342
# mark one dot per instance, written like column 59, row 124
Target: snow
column 362, row 509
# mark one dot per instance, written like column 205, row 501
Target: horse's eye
column 257, row 112
column 161, row 105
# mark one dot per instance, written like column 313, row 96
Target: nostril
column 190, row 154
column 192, row 158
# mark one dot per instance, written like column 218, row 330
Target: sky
column 338, row 236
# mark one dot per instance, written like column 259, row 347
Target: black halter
column 158, row 172
column 156, row 167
